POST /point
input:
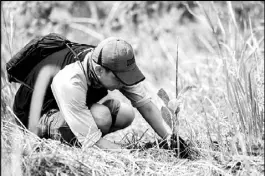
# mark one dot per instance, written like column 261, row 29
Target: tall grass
column 238, row 52
column 228, row 131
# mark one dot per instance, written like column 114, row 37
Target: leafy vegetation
column 204, row 67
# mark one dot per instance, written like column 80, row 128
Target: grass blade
column 231, row 11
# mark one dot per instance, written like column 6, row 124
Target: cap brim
column 131, row 77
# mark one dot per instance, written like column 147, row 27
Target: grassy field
column 218, row 86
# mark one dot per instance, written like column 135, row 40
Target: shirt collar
column 95, row 83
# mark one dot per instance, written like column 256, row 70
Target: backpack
column 20, row 65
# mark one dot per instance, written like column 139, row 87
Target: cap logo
column 130, row 62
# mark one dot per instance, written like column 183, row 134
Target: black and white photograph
column 132, row 88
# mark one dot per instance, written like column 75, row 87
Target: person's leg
column 102, row 117
column 109, row 117
column 112, row 115
column 121, row 112
column 52, row 125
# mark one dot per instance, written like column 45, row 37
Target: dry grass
column 33, row 156
column 220, row 109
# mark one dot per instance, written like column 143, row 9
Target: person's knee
column 102, row 116
column 127, row 112
column 122, row 113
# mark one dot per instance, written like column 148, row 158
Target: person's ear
column 98, row 70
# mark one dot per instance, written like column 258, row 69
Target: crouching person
column 64, row 104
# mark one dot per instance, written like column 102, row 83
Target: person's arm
column 141, row 100
column 44, row 77
column 106, row 144
column 152, row 115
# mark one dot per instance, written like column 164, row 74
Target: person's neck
column 91, row 72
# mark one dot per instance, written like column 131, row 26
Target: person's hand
column 166, row 143
column 121, row 151
column 181, row 148
column 178, row 145
column 124, row 151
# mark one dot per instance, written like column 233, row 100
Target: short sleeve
column 137, row 94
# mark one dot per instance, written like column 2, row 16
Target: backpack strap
column 78, row 59
column 21, row 82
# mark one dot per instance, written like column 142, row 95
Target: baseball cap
column 117, row 55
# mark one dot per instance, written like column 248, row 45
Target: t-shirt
column 71, row 90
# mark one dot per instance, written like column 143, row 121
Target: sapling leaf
column 166, row 116
column 163, row 95
column 176, row 103
column 173, row 105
